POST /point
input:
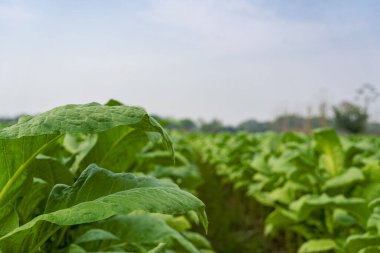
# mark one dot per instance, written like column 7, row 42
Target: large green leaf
column 97, row 195
column 87, row 187
column 331, row 151
column 88, row 118
column 22, row 142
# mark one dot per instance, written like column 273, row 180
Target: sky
column 204, row 59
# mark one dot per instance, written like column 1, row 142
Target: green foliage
column 321, row 245
column 54, row 199
column 105, row 178
column 351, row 117
column 318, row 187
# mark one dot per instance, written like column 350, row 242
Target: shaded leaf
column 317, row 245
column 84, row 205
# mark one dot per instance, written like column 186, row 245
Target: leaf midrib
column 21, row 169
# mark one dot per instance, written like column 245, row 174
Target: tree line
column 348, row 116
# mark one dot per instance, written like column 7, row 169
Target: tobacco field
column 110, row 178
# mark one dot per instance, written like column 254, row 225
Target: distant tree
column 253, row 125
column 212, row 127
column 350, row 117
column 230, row 129
column 187, row 125
column 353, row 117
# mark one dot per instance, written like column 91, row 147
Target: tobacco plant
column 67, row 186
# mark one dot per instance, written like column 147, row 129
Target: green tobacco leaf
column 347, row 178
column 317, row 245
column 104, row 195
column 33, row 200
column 283, row 163
column 22, row 142
column 308, row 203
column 96, row 235
column 88, row 118
column 373, row 222
column 144, row 230
column 16, row 156
column 161, row 157
column 279, row 219
column 86, row 187
column 10, row 222
column 197, row 239
column 117, row 149
column 331, row 150
column 179, row 223
column 287, row 193
column 51, row 171
column 370, row 189
column 355, row 243
column 187, row 177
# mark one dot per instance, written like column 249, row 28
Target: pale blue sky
column 223, row 59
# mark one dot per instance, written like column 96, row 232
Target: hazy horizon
column 230, row 60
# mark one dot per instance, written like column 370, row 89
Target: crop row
column 321, row 188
